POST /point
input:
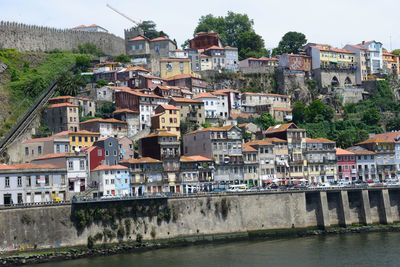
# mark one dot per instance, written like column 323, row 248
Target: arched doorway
column 347, row 81
column 335, row 81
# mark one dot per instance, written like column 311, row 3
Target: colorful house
column 111, row 181
column 167, row 118
column 170, row 67
column 346, row 164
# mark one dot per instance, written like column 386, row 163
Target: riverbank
column 42, row 256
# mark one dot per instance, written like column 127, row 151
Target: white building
column 374, row 56
column 111, row 180
column 210, row 104
column 32, row 183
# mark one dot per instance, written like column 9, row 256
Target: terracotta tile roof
column 390, row 136
column 53, row 155
column 169, row 107
column 84, row 99
column 141, row 160
column 151, row 77
column 123, row 88
column 341, row 152
column 246, row 116
column 161, row 38
column 228, row 91
column 359, row 47
column 84, row 132
column 27, row 166
column 219, row 93
column 248, row 148
column 280, row 127
column 194, row 158
column 375, row 140
column 124, row 110
column 214, row 47
column 275, row 140
column 213, row 129
column 174, row 60
column 139, row 38
column 90, row 148
column 107, row 167
column 160, row 134
column 360, row 150
column 104, row 121
column 182, row 76
column 158, row 114
column 186, row 92
column 79, row 27
column 35, row 140
column 185, row 100
column 319, row 140
column 263, row 142
column 60, row 105
column 203, row 55
column 243, row 124
column 135, row 68
column 204, row 95
column 283, row 109
column 338, row 50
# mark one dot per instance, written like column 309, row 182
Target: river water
column 371, row 249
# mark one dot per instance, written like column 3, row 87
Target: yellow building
column 206, row 62
column 167, row 118
column 334, row 58
column 390, row 62
column 80, row 139
column 174, row 66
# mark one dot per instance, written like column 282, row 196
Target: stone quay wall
column 195, row 216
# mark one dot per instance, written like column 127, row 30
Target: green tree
column 265, row 121
column 298, row 113
column 206, row 125
column 69, row 84
column 396, row 52
column 185, row 44
column 291, row 43
column 123, row 58
column 251, row 45
column 317, row 111
column 101, row 83
column 235, row 30
column 105, row 110
column 371, row 116
column 393, row 124
column 89, row 48
column 149, row 29
column 82, row 62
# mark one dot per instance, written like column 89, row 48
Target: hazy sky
column 335, row 22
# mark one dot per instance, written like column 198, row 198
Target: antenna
column 122, row 14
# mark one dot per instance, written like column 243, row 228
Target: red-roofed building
column 196, row 85
column 96, row 156
column 106, row 127
column 191, row 110
column 90, row 28
column 321, row 160
column 277, row 105
column 196, row 173
column 346, row 164
column 167, row 118
column 32, row 183
column 111, row 181
column 132, row 118
column 366, row 163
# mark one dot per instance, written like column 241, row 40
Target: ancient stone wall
column 24, row 37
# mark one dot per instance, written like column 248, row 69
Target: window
column 73, row 138
column 57, row 148
column 107, row 153
column 7, row 182
column 86, row 138
column 82, row 164
column 26, row 151
column 28, row 181
column 112, row 181
column 80, row 139
column 39, row 150
column 70, row 165
column 19, row 181
column 99, row 152
column 115, row 152
column 46, row 180
column 66, row 148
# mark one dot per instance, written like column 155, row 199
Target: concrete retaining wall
column 49, row 227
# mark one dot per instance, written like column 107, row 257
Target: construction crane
column 122, row 14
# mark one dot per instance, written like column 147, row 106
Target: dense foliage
column 89, row 48
column 28, row 82
column 291, row 43
column 235, row 30
column 150, row 31
column 359, row 119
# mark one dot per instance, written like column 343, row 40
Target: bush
column 139, row 238
column 90, row 242
column 98, row 237
column 128, row 224
column 153, row 232
column 121, row 232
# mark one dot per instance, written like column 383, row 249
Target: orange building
column 391, row 62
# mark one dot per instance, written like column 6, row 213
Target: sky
column 335, row 22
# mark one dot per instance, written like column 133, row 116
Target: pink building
column 346, row 164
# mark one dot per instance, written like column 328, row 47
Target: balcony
column 169, row 156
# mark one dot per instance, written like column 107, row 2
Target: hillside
column 25, row 76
